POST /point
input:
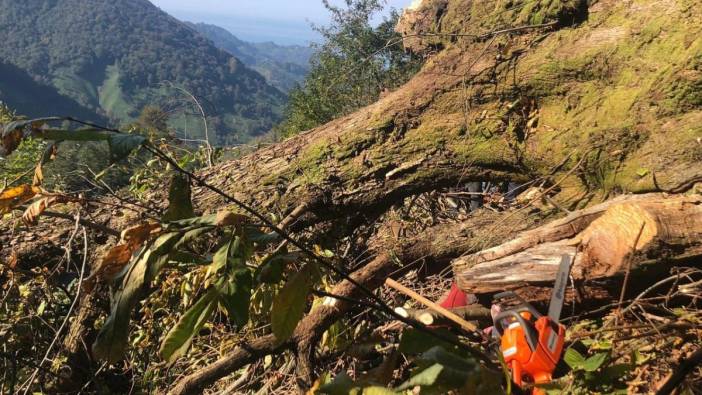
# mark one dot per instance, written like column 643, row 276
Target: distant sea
column 257, row 29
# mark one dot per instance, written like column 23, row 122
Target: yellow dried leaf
column 228, row 218
column 14, row 197
column 38, row 176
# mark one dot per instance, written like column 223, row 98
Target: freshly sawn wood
column 601, row 239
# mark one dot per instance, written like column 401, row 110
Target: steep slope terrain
column 112, row 57
column 283, row 66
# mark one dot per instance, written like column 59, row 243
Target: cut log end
column 604, row 240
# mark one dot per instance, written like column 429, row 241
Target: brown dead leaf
column 115, row 260
column 138, row 235
column 12, row 261
column 119, row 256
column 13, row 197
column 10, row 142
column 36, row 209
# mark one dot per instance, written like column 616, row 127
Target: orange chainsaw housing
column 532, row 353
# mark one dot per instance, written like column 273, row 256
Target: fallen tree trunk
column 605, row 240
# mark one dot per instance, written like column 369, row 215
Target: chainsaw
column 531, row 343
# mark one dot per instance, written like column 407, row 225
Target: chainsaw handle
column 524, row 306
column 530, row 332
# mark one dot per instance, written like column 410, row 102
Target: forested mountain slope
column 284, row 66
column 112, row 57
column 33, row 99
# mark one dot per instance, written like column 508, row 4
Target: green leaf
column 555, row 387
column 270, row 271
column 290, row 303
column 162, row 248
column 222, row 256
column 122, row 144
column 205, row 220
column 21, row 124
column 574, row 359
column 375, row 390
column 415, row 342
column 73, row 135
column 235, row 296
column 425, row 378
column 180, row 205
column 41, row 308
column 616, row 372
column 638, row 358
column 438, row 354
column 191, row 235
column 442, row 370
column 594, row 345
column 179, row 338
column 595, row 362
column 341, row 385
column 185, row 258
column 457, row 370
column 112, row 338
column 263, row 239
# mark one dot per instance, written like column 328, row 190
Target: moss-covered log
column 615, row 88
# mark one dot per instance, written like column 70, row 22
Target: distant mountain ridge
column 284, row 66
column 112, row 56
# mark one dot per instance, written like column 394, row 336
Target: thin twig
column 687, row 366
column 210, row 163
column 649, row 289
column 81, row 221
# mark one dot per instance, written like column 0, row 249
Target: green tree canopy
column 357, row 61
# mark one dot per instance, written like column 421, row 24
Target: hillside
column 28, row 97
column 112, row 57
column 284, row 66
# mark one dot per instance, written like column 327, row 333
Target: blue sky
column 280, row 21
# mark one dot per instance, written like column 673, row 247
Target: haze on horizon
column 281, row 21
